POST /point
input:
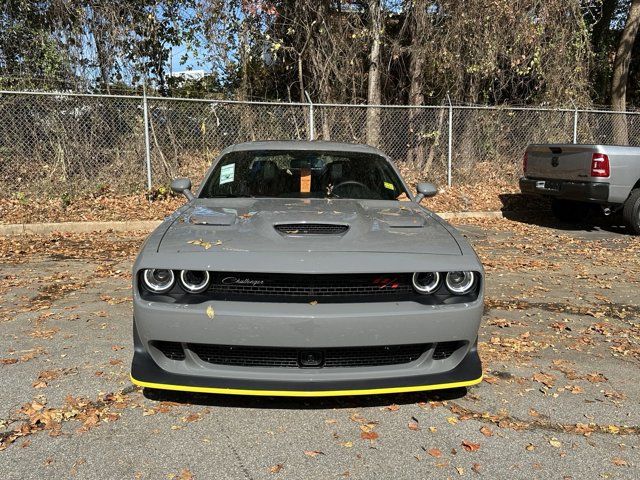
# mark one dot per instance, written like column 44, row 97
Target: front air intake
column 311, row 228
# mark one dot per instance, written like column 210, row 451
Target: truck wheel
column 631, row 211
column 569, row 211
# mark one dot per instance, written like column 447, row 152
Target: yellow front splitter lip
column 305, row 393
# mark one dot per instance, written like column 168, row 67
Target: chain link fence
column 73, row 144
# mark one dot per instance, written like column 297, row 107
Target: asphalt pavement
column 560, row 343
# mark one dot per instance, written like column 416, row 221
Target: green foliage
column 65, row 200
column 162, row 192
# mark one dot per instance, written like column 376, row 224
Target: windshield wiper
column 231, row 195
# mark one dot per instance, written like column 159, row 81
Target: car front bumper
column 305, row 326
column 597, row 192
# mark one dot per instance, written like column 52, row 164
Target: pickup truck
column 577, row 177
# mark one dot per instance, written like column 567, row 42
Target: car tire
column 569, row 211
column 631, row 211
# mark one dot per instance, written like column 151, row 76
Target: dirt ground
column 560, row 343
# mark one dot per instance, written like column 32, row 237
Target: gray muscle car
column 305, row 269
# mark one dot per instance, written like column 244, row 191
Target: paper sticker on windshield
column 305, row 180
column 227, row 173
column 389, row 186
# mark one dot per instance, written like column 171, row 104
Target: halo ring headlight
column 460, row 283
column 426, row 282
column 158, row 280
column 194, row 281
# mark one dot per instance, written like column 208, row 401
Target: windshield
column 304, row 174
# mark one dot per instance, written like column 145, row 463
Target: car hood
column 247, row 224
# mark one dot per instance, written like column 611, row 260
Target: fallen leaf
column 203, row 244
column 619, row 462
column 276, row 468
column 486, row 431
column 393, row 408
column 555, row 442
column 313, row 453
column 369, row 435
column 434, row 452
column 192, row 417
column 210, row 312
column 595, row 377
column 185, row 474
column 460, row 471
column 347, row 444
column 545, row 379
column 470, row 446
column 477, row 468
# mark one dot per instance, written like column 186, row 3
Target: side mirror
column 425, row 190
column 183, row 186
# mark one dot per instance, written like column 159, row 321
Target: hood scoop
column 405, row 222
column 296, row 229
column 212, row 217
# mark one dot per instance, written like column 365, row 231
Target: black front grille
column 172, row 350
column 311, row 228
column 312, row 287
column 444, row 350
column 242, row 356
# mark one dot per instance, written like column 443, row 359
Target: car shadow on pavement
column 534, row 211
column 301, row 403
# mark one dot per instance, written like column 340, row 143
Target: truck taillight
column 600, row 165
column 525, row 160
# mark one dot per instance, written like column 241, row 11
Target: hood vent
column 311, row 228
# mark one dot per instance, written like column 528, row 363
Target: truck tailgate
column 561, row 161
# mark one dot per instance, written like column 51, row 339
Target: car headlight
column 158, row 280
column 194, row 281
column 426, row 282
column 460, row 283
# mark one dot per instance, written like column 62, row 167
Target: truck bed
column 594, row 173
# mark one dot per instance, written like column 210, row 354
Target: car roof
column 302, row 145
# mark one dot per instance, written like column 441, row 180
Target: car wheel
column 569, row 211
column 631, row 211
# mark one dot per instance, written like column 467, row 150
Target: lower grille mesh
column 289, row 357
column 172, row 350
column 444, row 350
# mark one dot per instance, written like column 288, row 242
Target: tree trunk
column 604, row 24
column 373, row 92
column 621, row 73
column 417, row 19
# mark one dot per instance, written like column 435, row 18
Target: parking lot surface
column 560, row 343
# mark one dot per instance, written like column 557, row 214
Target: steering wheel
column 347, row 183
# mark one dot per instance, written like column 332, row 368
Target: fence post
column 147, row 146
column 450, row 146
column 312, row 125
column 575, row 123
